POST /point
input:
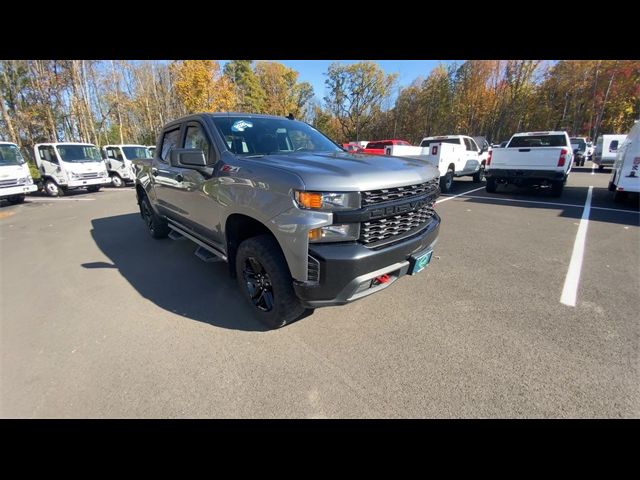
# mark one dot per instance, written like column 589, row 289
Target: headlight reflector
column 328, row 201
column 335, row 233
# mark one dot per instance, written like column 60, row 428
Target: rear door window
column 528, row 141
column 613, row 146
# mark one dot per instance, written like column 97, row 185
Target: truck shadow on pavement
column 514, row 197
column 167, row 273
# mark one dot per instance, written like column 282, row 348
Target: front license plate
column 417, row 264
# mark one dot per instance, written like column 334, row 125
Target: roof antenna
column 290, row 116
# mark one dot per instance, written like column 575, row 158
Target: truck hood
column 13, row 171
column 351, row 172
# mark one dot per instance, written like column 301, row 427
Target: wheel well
column 140, row 193
column 237, row 229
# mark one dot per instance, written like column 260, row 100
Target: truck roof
column 64, row 143
column 554, row 132
column 125, row 145
column 221, row 115
column 437, row 137
column 2, row 142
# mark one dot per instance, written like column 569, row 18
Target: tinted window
column 426, row 143
column 10, row 155
column 538, row 141
column 613, row 146
column 47, row 154
column 195, row 138
column 134, row 153
column 264, row 136
column 169, row 141
column 78, row 153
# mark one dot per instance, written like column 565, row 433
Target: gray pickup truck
column 301, row 222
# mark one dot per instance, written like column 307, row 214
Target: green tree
column 250, row 94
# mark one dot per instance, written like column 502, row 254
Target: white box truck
column 68, row 165
column 15, row 177
column 625, row 175
column 119, row 162
column 607, row 149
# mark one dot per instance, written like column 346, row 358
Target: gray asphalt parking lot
column 99, row 320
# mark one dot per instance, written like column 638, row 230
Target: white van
column 68, row 165
column 118, row 159
column 625, row 175
column 607, row 149
column 15, row 177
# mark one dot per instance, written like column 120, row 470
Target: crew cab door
column 49, row 162
column 115, row 159
column 164, row 177
column 472, row 159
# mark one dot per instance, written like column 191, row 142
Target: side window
column 111, row 153
column 473, row 145
column 169, row 141
column 467, row 144
column 195, row 138
column 613, row 146
column 47, row 154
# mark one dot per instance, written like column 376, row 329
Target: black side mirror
column 188, row 158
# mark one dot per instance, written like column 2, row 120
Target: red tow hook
column 382, row 279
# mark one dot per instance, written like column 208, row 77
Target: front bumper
column 19, row 190
column 92, row 181
column 346, row 270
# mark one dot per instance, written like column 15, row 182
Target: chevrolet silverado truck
column 301, row 223
column 531, row 158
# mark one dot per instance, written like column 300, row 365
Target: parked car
column 118, row 159
column 580, row 150
column 607, row 149
column 532, row 158
column 301, row 223
column 68, row 165
column 352, row 147
column 15, row 177
column 625, row 174
column 377, row 147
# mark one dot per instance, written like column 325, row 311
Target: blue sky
column 312, row 71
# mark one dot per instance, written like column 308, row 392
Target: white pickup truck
column 452, row 155
column 15, row 177
column 532, row 158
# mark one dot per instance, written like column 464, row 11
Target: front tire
column 265, row 281
column 491, row 185
column 52, row 189
column 446, row 182
column 117, row 181
column 157, row 226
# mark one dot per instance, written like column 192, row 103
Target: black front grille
column 88, row 176
column 373, row 197
column 380, row 232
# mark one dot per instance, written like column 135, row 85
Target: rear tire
column 16, row 199
column 446, row 182
column 265, row 282
column 491, row 185
column 157, row 226
column 619, row 197
column 479, row 175
column 557, row 188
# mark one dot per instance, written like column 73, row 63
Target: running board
column 174, row 235
column 209, row 251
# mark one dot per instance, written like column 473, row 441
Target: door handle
column 179, row 177
column 154, row 171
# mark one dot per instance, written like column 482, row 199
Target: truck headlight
column 103, row 173
column 73, row 175
column 335, row 233
column 327, row 201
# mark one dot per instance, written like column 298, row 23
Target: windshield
column 527, row 141
column 10, row 155
column 426, row 143
column 134, row 153
column 79, row 153
column 264, row 136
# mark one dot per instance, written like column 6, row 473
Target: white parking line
column 458, row 195
column 548, row 203
column 53, row 200
column 571, row 281
column 593, row 168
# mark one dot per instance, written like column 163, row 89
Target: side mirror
column 188, row 158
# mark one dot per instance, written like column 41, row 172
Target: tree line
column 117, row 101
